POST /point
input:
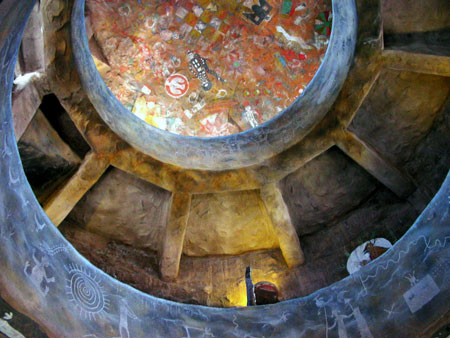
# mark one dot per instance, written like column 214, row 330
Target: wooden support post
column 281, row 221
column 417, row 62
column 32, row 53
column 25, row 104
column 60, row 203
column 375, row 164
column 174, row 235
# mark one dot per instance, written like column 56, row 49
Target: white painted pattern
column 86, row 292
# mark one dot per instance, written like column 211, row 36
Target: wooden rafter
column 24, row 106
column 174, row 235
column 375, row 164
column 417, row 62
column 61, row 202
column 282, row 224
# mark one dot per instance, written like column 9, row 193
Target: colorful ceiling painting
column 208, row 68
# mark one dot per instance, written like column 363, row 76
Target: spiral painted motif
column 86, row 292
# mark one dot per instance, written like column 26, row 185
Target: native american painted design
column 199, row 67
column 250, row 59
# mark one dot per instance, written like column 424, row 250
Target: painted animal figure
column 374, row 251
column 38, row 274
column 274, row 322
column 199, row 67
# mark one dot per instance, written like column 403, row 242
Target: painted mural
column 42, row 274
column 208, row 68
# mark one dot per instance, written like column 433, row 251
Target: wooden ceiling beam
column 63, row 200
column 173, row 242
column 282, row 224
column 375, row 164
column 417, row 62
column 25, row 104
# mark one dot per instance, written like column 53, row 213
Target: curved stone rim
column 375, row 298
column 234, row 151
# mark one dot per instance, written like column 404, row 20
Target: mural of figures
column 258, row 51
column 342, row 318
column 408, row 280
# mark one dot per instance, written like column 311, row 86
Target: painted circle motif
column 86, row 292
column 176, row 85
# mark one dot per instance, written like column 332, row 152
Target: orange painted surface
column 209, row 68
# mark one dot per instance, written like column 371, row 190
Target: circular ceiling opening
column 208, row 68
column 223, row 69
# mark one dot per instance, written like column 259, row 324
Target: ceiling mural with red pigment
column 209, row 68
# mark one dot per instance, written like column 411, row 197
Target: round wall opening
column 208, row 68
column 213, row 85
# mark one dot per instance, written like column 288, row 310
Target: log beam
column 174, row 235
column 61, row 202
column 417, row 62
column 25, row 104
column 375, row 164
column 282, row 224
